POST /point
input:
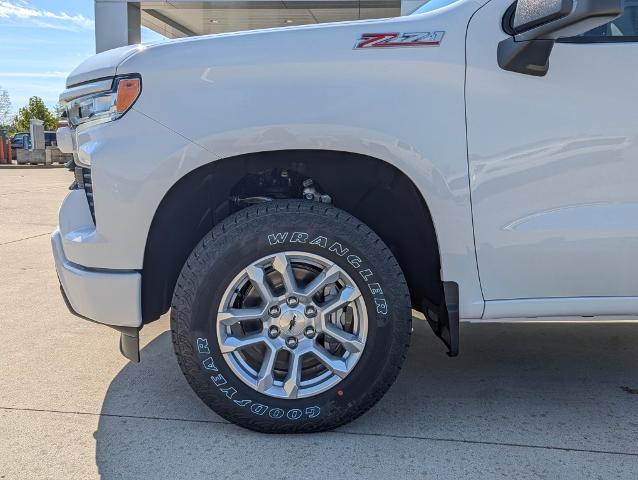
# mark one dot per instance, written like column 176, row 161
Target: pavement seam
column 26, row 238
column 113, row 415
column 484, row 442
column 338, row 432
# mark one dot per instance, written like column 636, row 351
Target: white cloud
column 20, row 12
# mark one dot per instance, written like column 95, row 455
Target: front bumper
column 110, row 298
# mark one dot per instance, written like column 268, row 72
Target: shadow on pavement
column 553, row 388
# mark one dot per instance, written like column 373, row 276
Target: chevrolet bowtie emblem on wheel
column 389, row 40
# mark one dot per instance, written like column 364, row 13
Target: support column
column 117, row 23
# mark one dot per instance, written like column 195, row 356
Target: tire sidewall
column 219, row 258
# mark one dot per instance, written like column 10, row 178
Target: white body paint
column 554, row 167
column 552, row 162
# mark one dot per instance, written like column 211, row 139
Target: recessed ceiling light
column 214, row 21
column 288, row 21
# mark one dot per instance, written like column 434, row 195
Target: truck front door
column 554, row 172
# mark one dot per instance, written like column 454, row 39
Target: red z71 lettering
column 415, row 39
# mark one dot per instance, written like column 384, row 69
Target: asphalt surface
column 522, row 401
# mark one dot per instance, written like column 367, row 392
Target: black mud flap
column 445, row 320
column 130, row 343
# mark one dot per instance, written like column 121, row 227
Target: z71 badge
column 389, row 40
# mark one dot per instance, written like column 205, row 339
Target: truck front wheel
column 291, row 316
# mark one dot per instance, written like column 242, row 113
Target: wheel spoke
column 350, row 342
column 234, row 315
column 293, row 379
column 326, row 277
column 305, row 319
column 347, row 295
column 231, row 343
column 258, row 279
column 281, row 264
column 336, row 365
column 265, row 377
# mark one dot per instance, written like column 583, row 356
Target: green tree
column 58, row 111
column 5, row 111
column 35, row 109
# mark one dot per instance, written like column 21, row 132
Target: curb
column 4, row 166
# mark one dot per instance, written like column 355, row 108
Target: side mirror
column 536, row 24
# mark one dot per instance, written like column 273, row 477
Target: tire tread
column 204, row 253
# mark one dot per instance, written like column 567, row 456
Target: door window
column 623, row 29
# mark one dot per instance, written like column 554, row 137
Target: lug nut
column 292, row 301
column 311, row 311
column 309, row 331
column 274, row 311
column 291, row 342
column 273, row 331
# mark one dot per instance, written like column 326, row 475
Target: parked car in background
column 17, row 141
column 50, row 139
column 22, row 140
column 290, row 194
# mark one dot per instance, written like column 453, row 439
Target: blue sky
column 41, row 41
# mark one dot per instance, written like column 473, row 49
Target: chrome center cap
column 292, row 322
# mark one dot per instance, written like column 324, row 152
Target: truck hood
column 105, row 65
column 102, row 65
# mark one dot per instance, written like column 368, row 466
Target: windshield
column 433, row 5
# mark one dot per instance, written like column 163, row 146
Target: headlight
column 105, row 106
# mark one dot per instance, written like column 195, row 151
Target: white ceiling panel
column 175, row 18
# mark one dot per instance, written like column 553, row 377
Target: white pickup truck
column 291, row 194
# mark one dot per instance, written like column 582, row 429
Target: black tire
column 243, row 238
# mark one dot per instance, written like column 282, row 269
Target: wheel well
column 373, row 190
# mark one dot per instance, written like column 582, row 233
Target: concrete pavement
column 522, row 401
